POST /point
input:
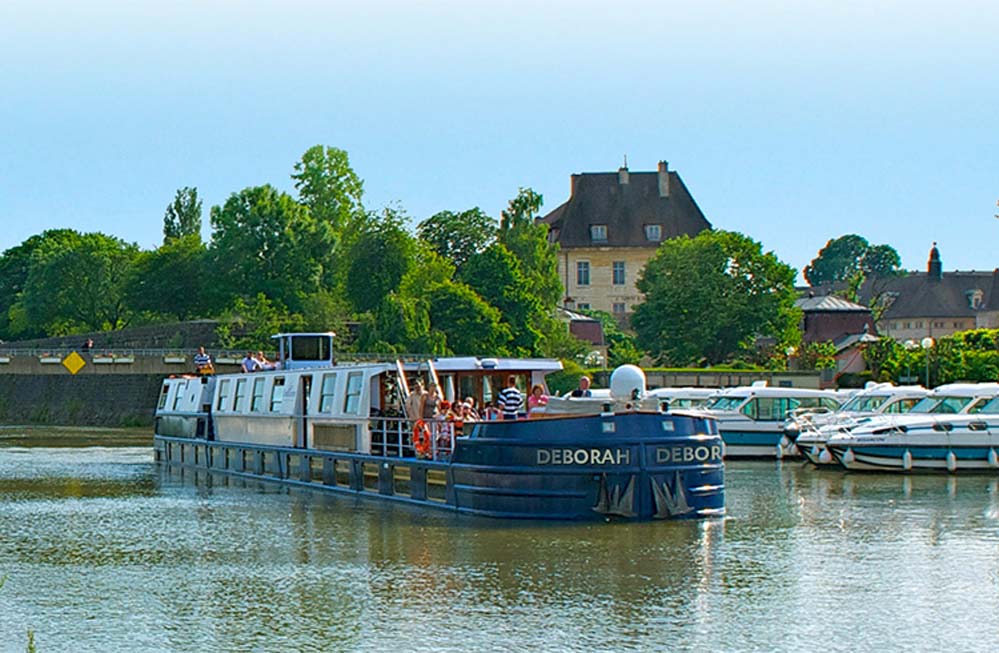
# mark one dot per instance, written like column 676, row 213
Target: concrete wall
column 82, row 400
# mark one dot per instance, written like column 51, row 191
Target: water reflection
column 106, row 551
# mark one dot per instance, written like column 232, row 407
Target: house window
column 618, row 307
column 598, row 233
column 908, row 325
column 583, row 306
column 618, row 273
column 653, row 232
column 582, row 273
column 894, row 325
column 957, row 325
column 938, row 325
column 919, row 324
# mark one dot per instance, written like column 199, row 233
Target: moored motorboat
column 948, row 442
column 751, row 418
column 810, row 429
column 344, row 428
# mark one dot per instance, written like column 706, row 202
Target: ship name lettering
column 584, row 457
column 688, row 454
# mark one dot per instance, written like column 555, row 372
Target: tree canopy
column 183, row 215
column 458, row 236
column 847, row 256
column 328, row 186
column 708, row 298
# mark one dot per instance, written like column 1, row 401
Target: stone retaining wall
column 82, row 400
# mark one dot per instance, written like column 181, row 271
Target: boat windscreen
column 951, row 405
column 864, row 404
column 990, row 408
column 726, row 403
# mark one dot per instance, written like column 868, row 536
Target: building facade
column 934, row 303
column 610, row 226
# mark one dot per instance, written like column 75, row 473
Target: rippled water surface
column 104, row 551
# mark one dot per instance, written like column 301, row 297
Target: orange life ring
column 421, row 438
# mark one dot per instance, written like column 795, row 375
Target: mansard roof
column 919, row 294
column 625, row 208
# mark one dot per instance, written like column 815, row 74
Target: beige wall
column 601, row 294
column 917, row 328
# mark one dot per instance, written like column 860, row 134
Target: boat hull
column 634, row 466
column 913, row 458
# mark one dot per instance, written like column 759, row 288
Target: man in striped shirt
column 510, row 398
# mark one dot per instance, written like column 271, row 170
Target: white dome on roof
column 625, row 381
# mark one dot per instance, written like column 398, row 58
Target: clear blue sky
column 793, row 122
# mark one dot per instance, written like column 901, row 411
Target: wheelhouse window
column 327, row 392
column 352, row 400
column 239, row 395
column 257, row 398
column 654, row 232
column 277, row 394
column 598, row 233
column 582, row 273
column 618, row 273
column 224, row 385
column 163, row 397
column 181, row 389
column 769, row 409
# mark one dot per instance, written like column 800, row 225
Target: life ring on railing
column 421, row 438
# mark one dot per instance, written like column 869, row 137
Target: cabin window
column 902, row 406
column 163, row 397
column 310, row 348
column 352, row 402
column 257, row 398
column 223, row 393
column 326, row 393
column 237, row 399
column 618, row 273
column 181, row 389
column 277, row 394
column 769, row 409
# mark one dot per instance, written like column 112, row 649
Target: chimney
column 663, row 179
column 934, row 268
column 622, row 175
column 572, row 185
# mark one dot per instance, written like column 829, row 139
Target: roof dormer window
column 975, row 298
column 654, row 232
column 598, row 233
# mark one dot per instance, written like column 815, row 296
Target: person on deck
column 584, row 388
column 249, row 363
column 203, row 362
column 537, row 399
column 510, row 398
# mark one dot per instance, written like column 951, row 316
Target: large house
column 934, row 303
column 610, row 227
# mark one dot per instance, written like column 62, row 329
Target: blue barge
column 344, row 428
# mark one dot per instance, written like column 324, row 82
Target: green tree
column 528, row 241
column 496, row 276
column 379, row 257
column 170, row 281
column 471, row 326
column 708, row 298
column 266, row 242
column 250, row 322
column 183, row 215
column 329, row 186
column 850, row 257
column 457, row 236
column 621, row 347
column 78, row 284
column 14, row 265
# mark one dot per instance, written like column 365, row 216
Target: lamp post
column 910, row 345
column 927, row 344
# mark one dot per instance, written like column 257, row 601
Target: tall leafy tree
column 14, row 266
column 881, row 260
column 528, row 241
column 78, row 284
column 379, row 256
column 470, row 325
column 170, row 281
column 458, row 236
column 707, row 299
column 329, row 186
column 264, row 242
column 848, row 257
column 183, row 215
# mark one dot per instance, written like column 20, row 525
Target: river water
column 104, row 551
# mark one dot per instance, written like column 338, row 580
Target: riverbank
column 75, row 436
